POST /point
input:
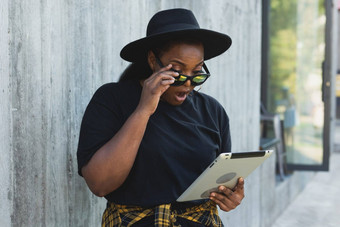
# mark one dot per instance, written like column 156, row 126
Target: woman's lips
column 181, row 96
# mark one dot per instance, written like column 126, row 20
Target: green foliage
column 283, row 42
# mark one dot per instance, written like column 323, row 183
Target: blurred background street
column 319, row 203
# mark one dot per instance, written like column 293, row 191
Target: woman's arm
column 110, row 165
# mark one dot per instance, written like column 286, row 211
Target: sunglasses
column 181, row 78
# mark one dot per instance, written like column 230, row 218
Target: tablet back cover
column 224, row 170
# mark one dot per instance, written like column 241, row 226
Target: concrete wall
column 5, row 119
column 338, row 31
column 55, row 54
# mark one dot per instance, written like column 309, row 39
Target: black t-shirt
column 178, row 144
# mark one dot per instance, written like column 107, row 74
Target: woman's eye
column 177, row 71
column 198, row 72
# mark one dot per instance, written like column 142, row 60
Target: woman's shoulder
column 207, row 100
column 116, row 89
column 210, row 105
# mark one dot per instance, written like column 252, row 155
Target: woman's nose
column 187, row 83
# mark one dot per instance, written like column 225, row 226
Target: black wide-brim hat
column 173, row 24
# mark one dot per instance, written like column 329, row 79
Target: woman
column 145, row 139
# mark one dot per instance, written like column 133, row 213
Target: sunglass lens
column 199, row 79
column 196, row 80
column 177, row 83
column 181, row 78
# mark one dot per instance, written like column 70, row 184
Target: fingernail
column 212, row 194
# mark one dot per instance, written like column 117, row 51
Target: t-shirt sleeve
column 225, row 146
column 225, row 137
column 101, row 121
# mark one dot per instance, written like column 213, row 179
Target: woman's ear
column 151, row 60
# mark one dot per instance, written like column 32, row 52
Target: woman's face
column 185, row 58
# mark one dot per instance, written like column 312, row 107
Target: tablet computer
column 224, row 170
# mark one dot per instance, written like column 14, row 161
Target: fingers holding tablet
column 228, row 199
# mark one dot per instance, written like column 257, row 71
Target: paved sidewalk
column 318, row 205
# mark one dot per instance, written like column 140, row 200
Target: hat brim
column 214, row 43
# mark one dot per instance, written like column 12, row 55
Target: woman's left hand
column 228, row 199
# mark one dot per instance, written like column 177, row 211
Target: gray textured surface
column 55, row 54
column 338, row 40
column 5, row 122
column 318, row 204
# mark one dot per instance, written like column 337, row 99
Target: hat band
column 173, row 28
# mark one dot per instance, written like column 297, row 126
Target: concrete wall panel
column 6, row 192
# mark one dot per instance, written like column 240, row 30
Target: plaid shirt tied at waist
column 123, row 215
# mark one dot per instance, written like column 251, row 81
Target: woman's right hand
column 154, row 87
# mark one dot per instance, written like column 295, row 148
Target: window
column 292, row 77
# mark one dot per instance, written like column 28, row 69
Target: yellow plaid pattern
column 122, row 215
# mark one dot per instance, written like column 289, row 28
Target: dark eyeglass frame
column 191, row 78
